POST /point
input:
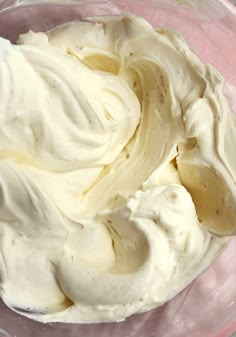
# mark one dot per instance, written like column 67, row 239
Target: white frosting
column 115, row 142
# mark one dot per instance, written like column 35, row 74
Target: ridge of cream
column 117, row 169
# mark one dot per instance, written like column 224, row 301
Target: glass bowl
column 207, row 307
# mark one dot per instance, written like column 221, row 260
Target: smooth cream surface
column 117, row 167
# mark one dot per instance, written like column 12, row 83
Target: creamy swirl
column 117, row 169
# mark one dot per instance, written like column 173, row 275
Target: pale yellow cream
column 117, row 169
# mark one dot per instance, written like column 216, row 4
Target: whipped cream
column 117, row 169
